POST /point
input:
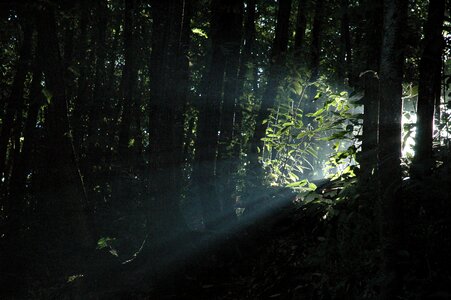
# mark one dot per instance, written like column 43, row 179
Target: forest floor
column 266, row 262
column 328, row 249
column 263, row 260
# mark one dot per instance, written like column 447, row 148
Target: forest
column 225, row 149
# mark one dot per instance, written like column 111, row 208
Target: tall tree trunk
column 226, row 164
column 168, row 88
column 128, row 82
column 345, row 59
column 428, row 89
column 247, row 56
column 301, row 25
column 14, row 103
column 12, row 205
column 62, row 187
column 204, row 172
column 315, row 47
column 315, row 59
column 99, row 102
column 373, row 34
column 83, row 83
column 17, row 188
column 391, row 75
column 275, row 75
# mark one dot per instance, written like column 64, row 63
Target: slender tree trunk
column 315, row 47
column 315, row 59
column 428, row 89
column 345, row 59
column 391, row 75
column 226, row 163
column 370, row 76
column 99, row 100
column 247, row 58
column 14, row 103
column 168, row 87
column 83, row 84
column 275, row 74
column 301, row 25
column 247, row 55
column 21, row 167
column 62, row 186
column 128, row 82
column 204, row 173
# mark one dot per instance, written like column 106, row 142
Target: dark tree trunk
column 428, row 89
column 128, row 82
column 83, row 83
column 168, row 87
column 226, row 160
column 223, row 16
column 370, row 76
column 22, row 166
column 96, row 128
column 12, row 206
column 315, row 47
column 391, row 75
column 345, row 59
column 275, row 75
column 315, row 59
column 301, row 25
column 247, row 55
column 15, row 101
column 62, row 185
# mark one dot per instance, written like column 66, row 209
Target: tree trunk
column 128, row 82
column 14, row 103
column 99, row 99
column 391, row 75
column 301, row 25
column 17, row 188
column 315, row 47
column 345, row 59
column 83, row 83
column 168, row 87
column 275, row 75
column 62, row 186
column 428, row 89
column 370, row 76
column 315, row 59
column 226, row 160
column 204, row 173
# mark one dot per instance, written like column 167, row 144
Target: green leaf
column 104, row 242
column 301, row 183
column 199, row 32
column 47, row 94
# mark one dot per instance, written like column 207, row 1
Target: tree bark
column 428, row 89
column 391, row 75
column 370, row 76
column 128, row 82
column 226, row 159
column 315, row 59
column 80, row 105
column 62, row 187
column 21, row 167
column 315, row 47
column 14, row 104
column 204, row 173
column 345, row 59
column 168, row 86
column 301, row 25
